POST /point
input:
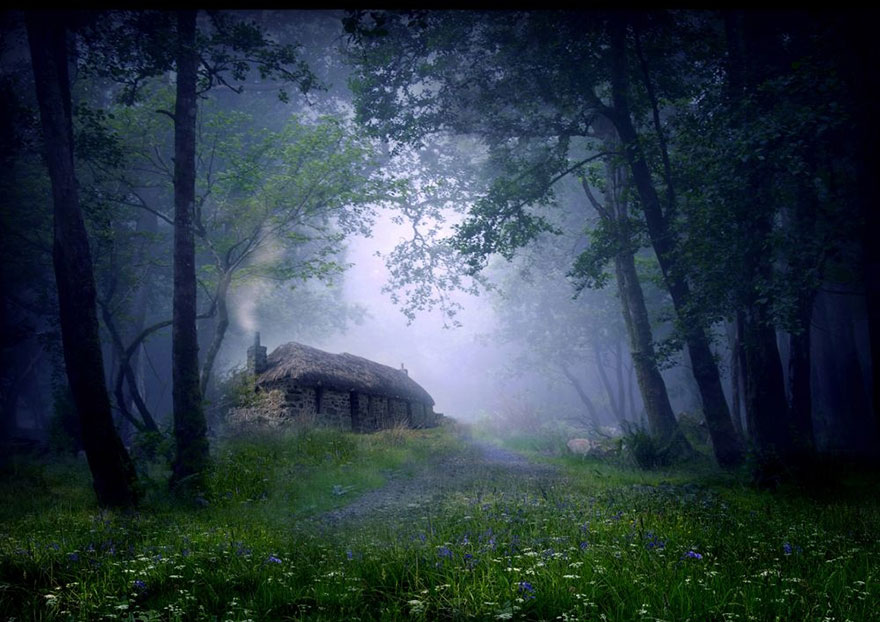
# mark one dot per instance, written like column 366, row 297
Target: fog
column 460, row 367
column 513, row 269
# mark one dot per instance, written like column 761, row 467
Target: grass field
column 594, row 541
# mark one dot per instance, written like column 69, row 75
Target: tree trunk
column 147, row 224
column 859, row 69
column 606, row 384
column 618, row 368
column 219, row 330
column 190, row 429
column 735, row 380
column 726, row 444
column 766, row 405
column 112, row 470
column 661, row 419
column 800, row 385
column 751, row 55
column 591, row 408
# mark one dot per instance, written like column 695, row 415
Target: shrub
column 644, row 449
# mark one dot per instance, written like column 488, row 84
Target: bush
column 644, row 449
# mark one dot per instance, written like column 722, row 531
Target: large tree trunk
column 766, row 405
column 658, row 410
column 752, row 55
column 112, row 469
column 726, row 444
column 190, row 429
column 661, row 419
column 859, row 70
column 800, row 386
column 735, row 379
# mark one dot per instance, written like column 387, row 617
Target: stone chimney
column 256, row 357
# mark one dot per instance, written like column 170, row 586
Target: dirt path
column 480, row 466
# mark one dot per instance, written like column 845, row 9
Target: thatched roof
column 309, row 366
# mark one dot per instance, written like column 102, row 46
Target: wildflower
column 444, row 551
column 139, row 585
column 273, row 560
column 692, row 555
column 349, row 554
column 74, row 557
column 584, row 545
column 654, row 542
column 526, row 589
column 788, row 549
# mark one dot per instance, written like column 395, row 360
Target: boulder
column 581, row 446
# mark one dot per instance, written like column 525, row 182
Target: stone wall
column 356, row 411
column 335, row 409
column 360, row 413
column 301, row 403
column 377, row 416
column 398, row 413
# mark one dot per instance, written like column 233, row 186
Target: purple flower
column 74, row 557
column 526, row 589
column 349, row 555
column 692, row 555
column 273, row 560
column 444, row 552
column 140, row 585
column 654, row 542
column 788, row 549
column 584, row 545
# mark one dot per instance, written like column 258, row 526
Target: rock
column 581, row 446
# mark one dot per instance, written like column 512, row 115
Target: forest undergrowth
column 580, row 539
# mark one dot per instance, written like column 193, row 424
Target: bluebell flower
column 654, row 542
column 526, row 589
column 139, row 585
column 349, row 555
column 584, row 545
column 444, row 552
column 788, row 549
column 273, row 560
column 74, row 557
column 692, row 555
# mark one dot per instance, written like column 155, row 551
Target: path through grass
column 461, row 531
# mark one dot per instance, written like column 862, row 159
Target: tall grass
column 595, row 543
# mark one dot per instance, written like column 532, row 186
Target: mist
column 439, row 315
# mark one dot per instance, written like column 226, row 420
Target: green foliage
column 644, row 449
column 600, row 542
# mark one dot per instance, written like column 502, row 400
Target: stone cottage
column 341, row 390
